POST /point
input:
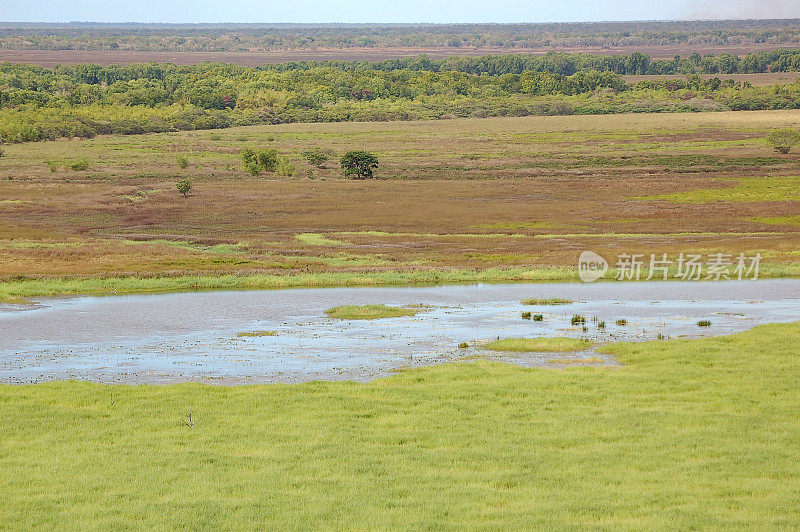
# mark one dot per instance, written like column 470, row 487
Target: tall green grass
column 687, row 434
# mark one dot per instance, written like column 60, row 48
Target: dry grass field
column 757, row 80
column 50, row 58
column 469, row 193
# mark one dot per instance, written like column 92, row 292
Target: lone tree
column 184, row 186
column 783, row 139
column 359, row 164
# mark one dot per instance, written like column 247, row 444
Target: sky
column 432, row 11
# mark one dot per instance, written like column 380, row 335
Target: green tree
column 257, row 161
column 316, row 157
column 183, row 162
column 359, row 164
column 783, row 139
column 268, row 159
column 184, row 186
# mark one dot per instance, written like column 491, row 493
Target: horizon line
column 404, row 23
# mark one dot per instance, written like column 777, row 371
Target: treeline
column 86, row 100
column 568, row 64
column 241, row 37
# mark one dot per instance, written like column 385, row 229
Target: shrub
column 783, row 139
column 577, row 319
column 359, row 164
column 52, row 166
column 257, row 161
column 183, row 162
column 538, row 317
column 285, row 167
column 463, row 345
column 2, row 151
column 184, row 186
column 315, row 157
column 268, row 159
column 704, row 323
column 248, row 156
column 526, row 315
column 79, row 165
column 253, row 168
column 622, row 323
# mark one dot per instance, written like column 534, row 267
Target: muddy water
column 193, row 336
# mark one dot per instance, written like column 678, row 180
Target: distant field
column 471, row 194
column 50, row 58
column 759, row 80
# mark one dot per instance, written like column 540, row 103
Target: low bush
column 79, row 165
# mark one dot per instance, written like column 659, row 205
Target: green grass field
column 687, row 434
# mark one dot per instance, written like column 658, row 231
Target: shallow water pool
column 168, row 338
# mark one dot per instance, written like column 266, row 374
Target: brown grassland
column 50, row 58
column 527, row 192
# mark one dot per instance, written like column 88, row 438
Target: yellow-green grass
column 316, row 239
column 746, row 190
column 778, row 220
column 19, row 290
column 256, row 334
column 546, row 301
column 543, row 344
column 690, row 434
column 371, row 312
column 568, row 360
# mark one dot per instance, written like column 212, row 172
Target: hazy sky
column 389, row 10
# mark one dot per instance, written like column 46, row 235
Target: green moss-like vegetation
column 316, row 239
column 548, row 345
column 746, row 190
column 550, row 301
column 256, row 334
column 778, row 220
column 696, row 434
column 370, row 312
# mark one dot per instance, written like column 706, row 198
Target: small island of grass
column 550, row 301
column 372, row 312
column 545, row 345
column 256, row 334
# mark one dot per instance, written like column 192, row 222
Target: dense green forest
column 85, row 100
column 241, row 37
column 570, row 63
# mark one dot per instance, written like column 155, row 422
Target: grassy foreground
column 688, row 434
